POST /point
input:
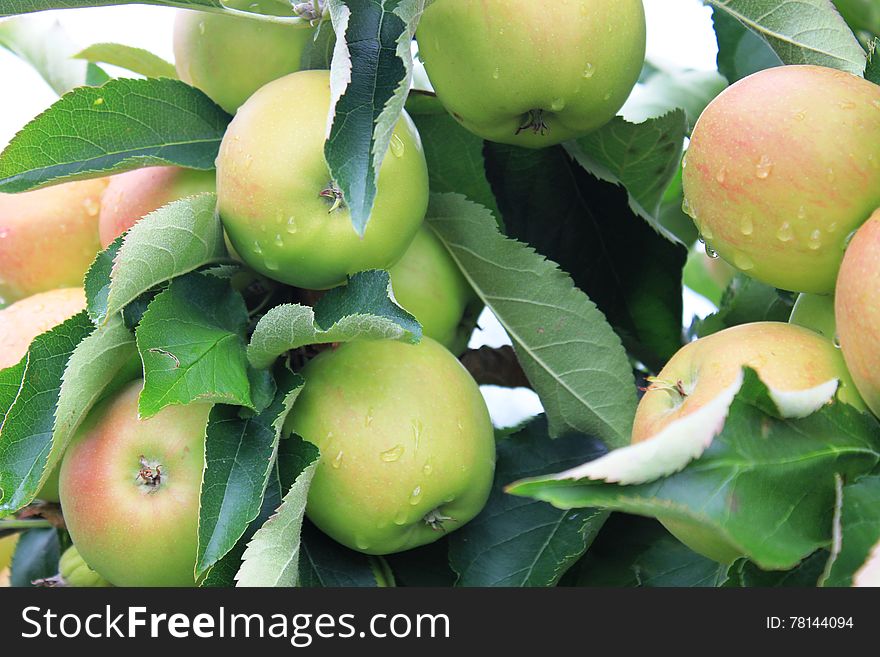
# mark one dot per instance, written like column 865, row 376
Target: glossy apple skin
column 132, row 533
column 428, row 284
column 781, row 168
column 785, row 356
column 403, row 432
column 48, row 237
column 134, row 194
column 815, row 312
column 491, row 62
column 857, row 311
column 229, row 58
column 271, row 171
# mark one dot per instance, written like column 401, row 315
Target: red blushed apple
column 48, row 237
column 133, row 194
column 781, row 168
column 858, row 313
column 788, row 358
column 130, row 490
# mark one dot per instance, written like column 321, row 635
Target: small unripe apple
column 786, row 357
column 532, row 73
column 230, row 57
column 75, row 572
column 273, row 185
column 130, row 490
column 7, row 549
column 815, row 312
column 782, row 167
column 48, row 237
column 858, row 313
column 133, row 194
column 407, row 446
column 427, row 283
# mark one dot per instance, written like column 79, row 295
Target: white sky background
column 679, row 35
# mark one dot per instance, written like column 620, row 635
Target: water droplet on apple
column 393, row 454
column 496, row 73
column 763, row 168
column 397, row 146
column 416, row 496
column 722, row 176
column 257, row 248
column 746, row 225
column 337, row 461
column 712, row 253
column 558, row 104
column 742, row 261
column 815, row 241
column 836, row 341
column 279, row 241
column 291, row 225
column 785, row 232
column 400, row 518
column 589, row 71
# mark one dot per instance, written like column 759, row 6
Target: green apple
column 75, row 572
column 48, row 237
column 229, row 58
column 427, row 283
column 130, row 490
column 782, row 167
column 134, row 194
column 857, row 312
column 272, row 183
column 786, row 357
column 531, row 73
column 407, row 446
column 815, row 312
column 7, row 549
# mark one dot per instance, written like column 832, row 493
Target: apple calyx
column 333, row 193
column 312, row 11
column 534, row 121
column 149, row 475
column 435, row 519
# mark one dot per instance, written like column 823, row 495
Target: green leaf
column 174, row 240
column 741, row 52
column 364, row 309
column 800, row 31
column 638, row 552
column 192, row 343
column 744, row 573
column 744, row 301
column 427, row 565
column 36, row 556
column 99, row 365
column 369, row 80
column 764, row 489
column 133, row 59
column 239, row 455
column 222, row 574
column 47, row 48
column 324, row 563
column 29, row 393
column 571, row 356
column 518, row 541
column 856, row 531
column 630, row 271
column 666, row 90
column 124, row 124
column 642, row 157
column 454, row 155
column 272, row 556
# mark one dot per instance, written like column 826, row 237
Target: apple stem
column 534, row 121
column 335, row 194
column 24, row 524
